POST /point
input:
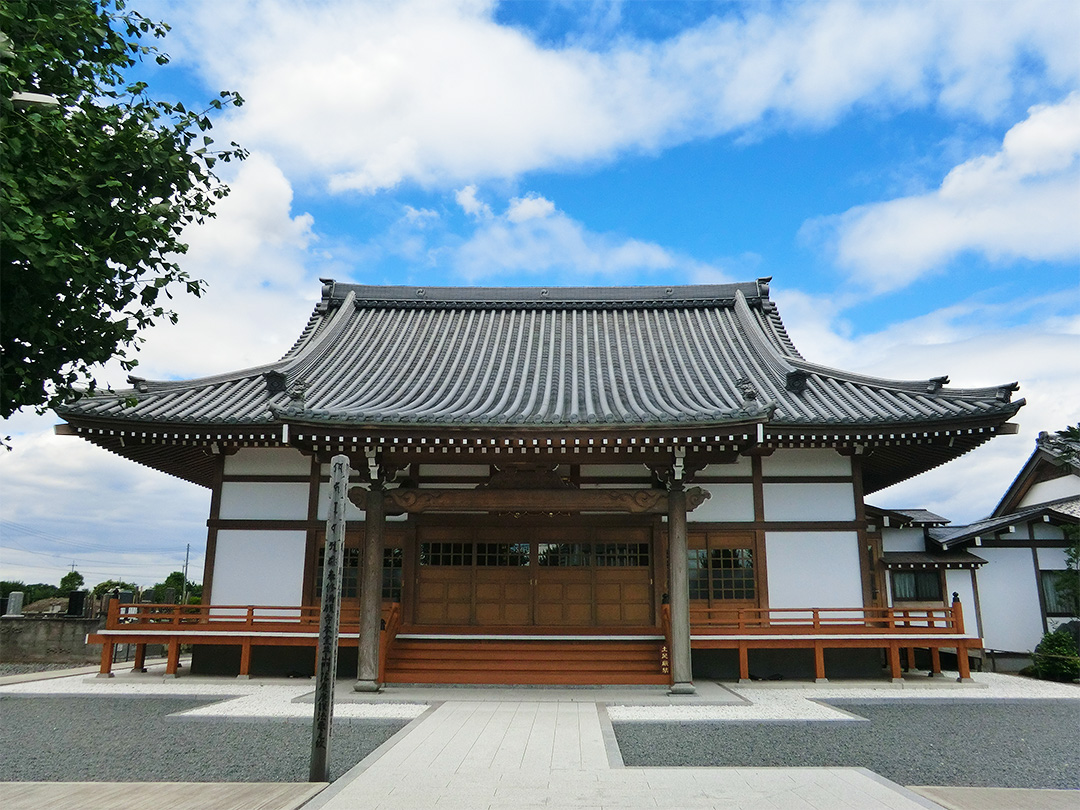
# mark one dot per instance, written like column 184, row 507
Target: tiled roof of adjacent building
column 1064, row 510
column 621, row 357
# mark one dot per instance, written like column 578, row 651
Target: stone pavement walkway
column 520, row 755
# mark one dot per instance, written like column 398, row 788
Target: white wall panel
column 243, row 500
column 727, row 502
column 812, row 461
column 267, row 461
column 958, row 581
column 813, row 569
column 902, row 540
column 259, row 568
column 1052, row 490
column 1044, row 531
column 801, row 502
column 1051, row 559
column 1009, row 599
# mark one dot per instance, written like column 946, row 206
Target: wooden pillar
column 140, row 658
column 367, row 670
column 910, row 659
column 935, row 662
column 172, row 663
column 245, row 659
column 744, row 664
column 894, row 663
column 819, row 664
column 682, row 682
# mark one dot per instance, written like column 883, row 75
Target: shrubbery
column 1057, row 657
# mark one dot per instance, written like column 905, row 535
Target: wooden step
column 533, row 662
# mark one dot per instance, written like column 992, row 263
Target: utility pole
column 187, row 554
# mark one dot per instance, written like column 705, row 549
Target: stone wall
column 60, row 640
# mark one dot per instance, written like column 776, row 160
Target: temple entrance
column 523, row 576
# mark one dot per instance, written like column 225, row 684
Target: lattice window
column 350, row 573
column 446, row 553
column 697, row 563
column 564, row 555
column 621, row 554
column 392, row 574
column 502, row 554
column 732, row 573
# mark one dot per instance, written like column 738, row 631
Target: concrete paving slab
column 140, row 795
column 550, row 754
column 984, row 798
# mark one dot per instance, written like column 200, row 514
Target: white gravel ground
column 239, row 698
column 789, row 700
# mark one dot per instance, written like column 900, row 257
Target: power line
column 19, row 527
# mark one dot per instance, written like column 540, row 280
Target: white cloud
column 255, row 258
column 1043, row 354
column 1022, row 202
column 365, row 95
column 532, row 237
column 470, row 204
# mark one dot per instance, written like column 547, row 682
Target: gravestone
column 15, row 603
column 76, row 604
column 170, row 596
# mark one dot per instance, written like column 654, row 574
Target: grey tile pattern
column 560, row 357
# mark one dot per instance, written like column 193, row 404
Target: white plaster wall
column 1052, row 490
column 243, row 500
column 259, row 568
column 1009, row 599
column 1052, row 559
column 812, row 461
column 813, row 569
column 958, row 580
column 1045, row 531
column 801, row 502
column 267, row 461
column 740, row 467
column 908, row 539
column 727, row 502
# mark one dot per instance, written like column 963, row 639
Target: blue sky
column 908, row 174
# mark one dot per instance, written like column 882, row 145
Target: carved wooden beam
column 635, row 501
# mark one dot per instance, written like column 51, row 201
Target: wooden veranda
column 508, row 655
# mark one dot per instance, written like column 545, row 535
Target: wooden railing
column 255, row 618
column 770, row 621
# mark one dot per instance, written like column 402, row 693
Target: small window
column 1056, row 595
column 502, row 554
column 564, row 555
column 622, row 554
column 916, row 586
column 446, row 553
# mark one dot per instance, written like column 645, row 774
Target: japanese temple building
column 563, row 485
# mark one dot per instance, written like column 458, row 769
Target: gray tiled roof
column 1064, row 509
column 617, row 357
column 909, row 517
